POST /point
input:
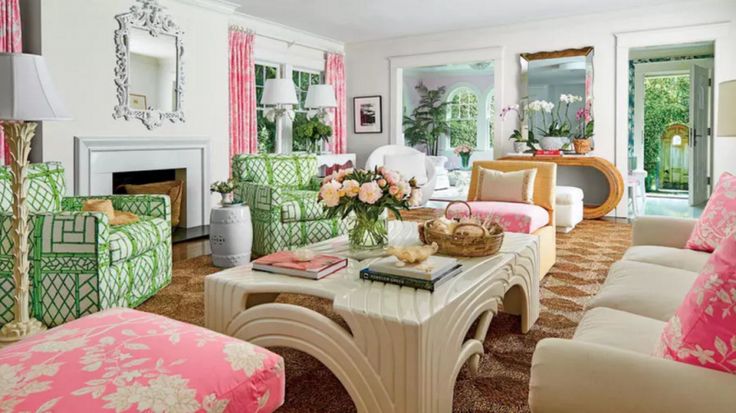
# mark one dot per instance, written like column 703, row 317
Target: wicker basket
column 462, row 245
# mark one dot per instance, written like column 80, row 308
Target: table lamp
column 281, row 94
column 27, row 96
column 319, row 99
column 727, row 109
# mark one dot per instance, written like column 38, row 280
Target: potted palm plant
column 428, row 121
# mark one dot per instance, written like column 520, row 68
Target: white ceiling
column 360, row 20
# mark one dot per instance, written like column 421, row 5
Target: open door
column 699, row 135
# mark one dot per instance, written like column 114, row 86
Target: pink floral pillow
column 719, row 216
column 703, row 330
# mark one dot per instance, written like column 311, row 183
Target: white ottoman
column 568, row 207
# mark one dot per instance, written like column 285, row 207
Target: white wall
column 76, row 37
column 368, row 65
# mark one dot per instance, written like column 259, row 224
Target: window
column 266, row 129
column 302, row 80
column 463, row 117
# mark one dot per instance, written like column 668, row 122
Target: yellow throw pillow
column 105, row 206
column 517, row 186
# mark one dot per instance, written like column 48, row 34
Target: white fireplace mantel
column 96, row 159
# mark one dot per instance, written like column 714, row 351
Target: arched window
column 463, row 117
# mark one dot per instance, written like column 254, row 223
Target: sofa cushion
column 703, row 330
column 126, row 360
column 648, row 290
column 128, row 241
column 299, row 206
column 513, row 217
column 514, row 186
column 718, row 218
column 45, row 187
column 669, row 257
column 619, row 329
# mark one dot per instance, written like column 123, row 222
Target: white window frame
column 446, row 142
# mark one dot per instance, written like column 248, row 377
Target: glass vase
column 368, row 233
column 465, row 160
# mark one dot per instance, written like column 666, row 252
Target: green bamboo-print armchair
column 79, row 263
column 281, row 191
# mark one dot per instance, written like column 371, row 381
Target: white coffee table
column 405, row 347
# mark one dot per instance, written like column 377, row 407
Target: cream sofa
column 608, row 365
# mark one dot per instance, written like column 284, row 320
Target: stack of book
column 427, row 275
column 287, row 263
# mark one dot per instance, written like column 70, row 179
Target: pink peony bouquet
column 368, row 193
column 461, row 149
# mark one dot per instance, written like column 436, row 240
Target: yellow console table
column 610, row 172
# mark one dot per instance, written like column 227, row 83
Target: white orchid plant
column 554, row 123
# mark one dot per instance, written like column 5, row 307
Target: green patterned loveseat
column 79, row 263
column 281, row 191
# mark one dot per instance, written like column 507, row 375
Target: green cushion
column 128, row 241
column 281, row 171
column 45, row 187
column 299, row 205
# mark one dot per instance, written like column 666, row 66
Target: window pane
column 271, row 72
column 304, row 79
column 295, row 77
column 315, row 79
column 266, row 133
column 259, row 94
column 259, row 75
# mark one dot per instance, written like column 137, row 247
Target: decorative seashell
column 304, row 254
column 414, row 254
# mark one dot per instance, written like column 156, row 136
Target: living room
column 496, row 205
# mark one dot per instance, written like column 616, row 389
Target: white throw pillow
column 517, row 186
column 409, row 166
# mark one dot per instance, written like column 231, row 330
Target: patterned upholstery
column 79, row 263
column 281, row 191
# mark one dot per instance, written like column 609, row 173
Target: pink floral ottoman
column 124, row 360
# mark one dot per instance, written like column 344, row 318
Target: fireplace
column 103, row 164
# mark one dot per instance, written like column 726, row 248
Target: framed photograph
column 138, row 102
column 368, row 114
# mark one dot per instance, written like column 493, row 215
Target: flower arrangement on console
column 556, row 127
column 464, row 152
column 520, row 142
column 225, row 189
column 368, row 194
column 584, row 131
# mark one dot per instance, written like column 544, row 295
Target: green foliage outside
column 666, row 101
column 266, row 134
column 464, row 119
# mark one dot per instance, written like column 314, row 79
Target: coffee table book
column 286, row 263
column 428, row 270
column 429, row 285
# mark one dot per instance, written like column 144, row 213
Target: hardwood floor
column 190, row 249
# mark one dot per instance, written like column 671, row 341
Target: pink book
column 284, row 262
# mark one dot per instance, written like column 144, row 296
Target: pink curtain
column 11, row 41
column 335, row 76
column 243, row 118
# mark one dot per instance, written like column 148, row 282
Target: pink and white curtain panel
column 335, row 76
column 243, row 118
column 11, row 41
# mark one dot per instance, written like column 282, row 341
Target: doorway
column 670, row 117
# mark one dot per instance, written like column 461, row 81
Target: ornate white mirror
column 149, row 73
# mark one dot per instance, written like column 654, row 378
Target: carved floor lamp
column 27, row 96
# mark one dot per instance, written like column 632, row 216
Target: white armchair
column 377, row 159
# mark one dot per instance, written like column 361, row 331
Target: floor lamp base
column 16, row 331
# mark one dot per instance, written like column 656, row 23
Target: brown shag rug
column 583, row 259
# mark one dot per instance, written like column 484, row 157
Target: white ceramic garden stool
column 231, row 235
column 568, row 207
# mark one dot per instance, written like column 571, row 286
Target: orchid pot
column 582, row 146
column 520, row 146
column 553, row 143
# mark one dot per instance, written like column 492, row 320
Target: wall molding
column 220, row 6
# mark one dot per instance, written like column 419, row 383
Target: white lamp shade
column 279, row 92
column 26, row 90
column 727, row 109
column 320, row 96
